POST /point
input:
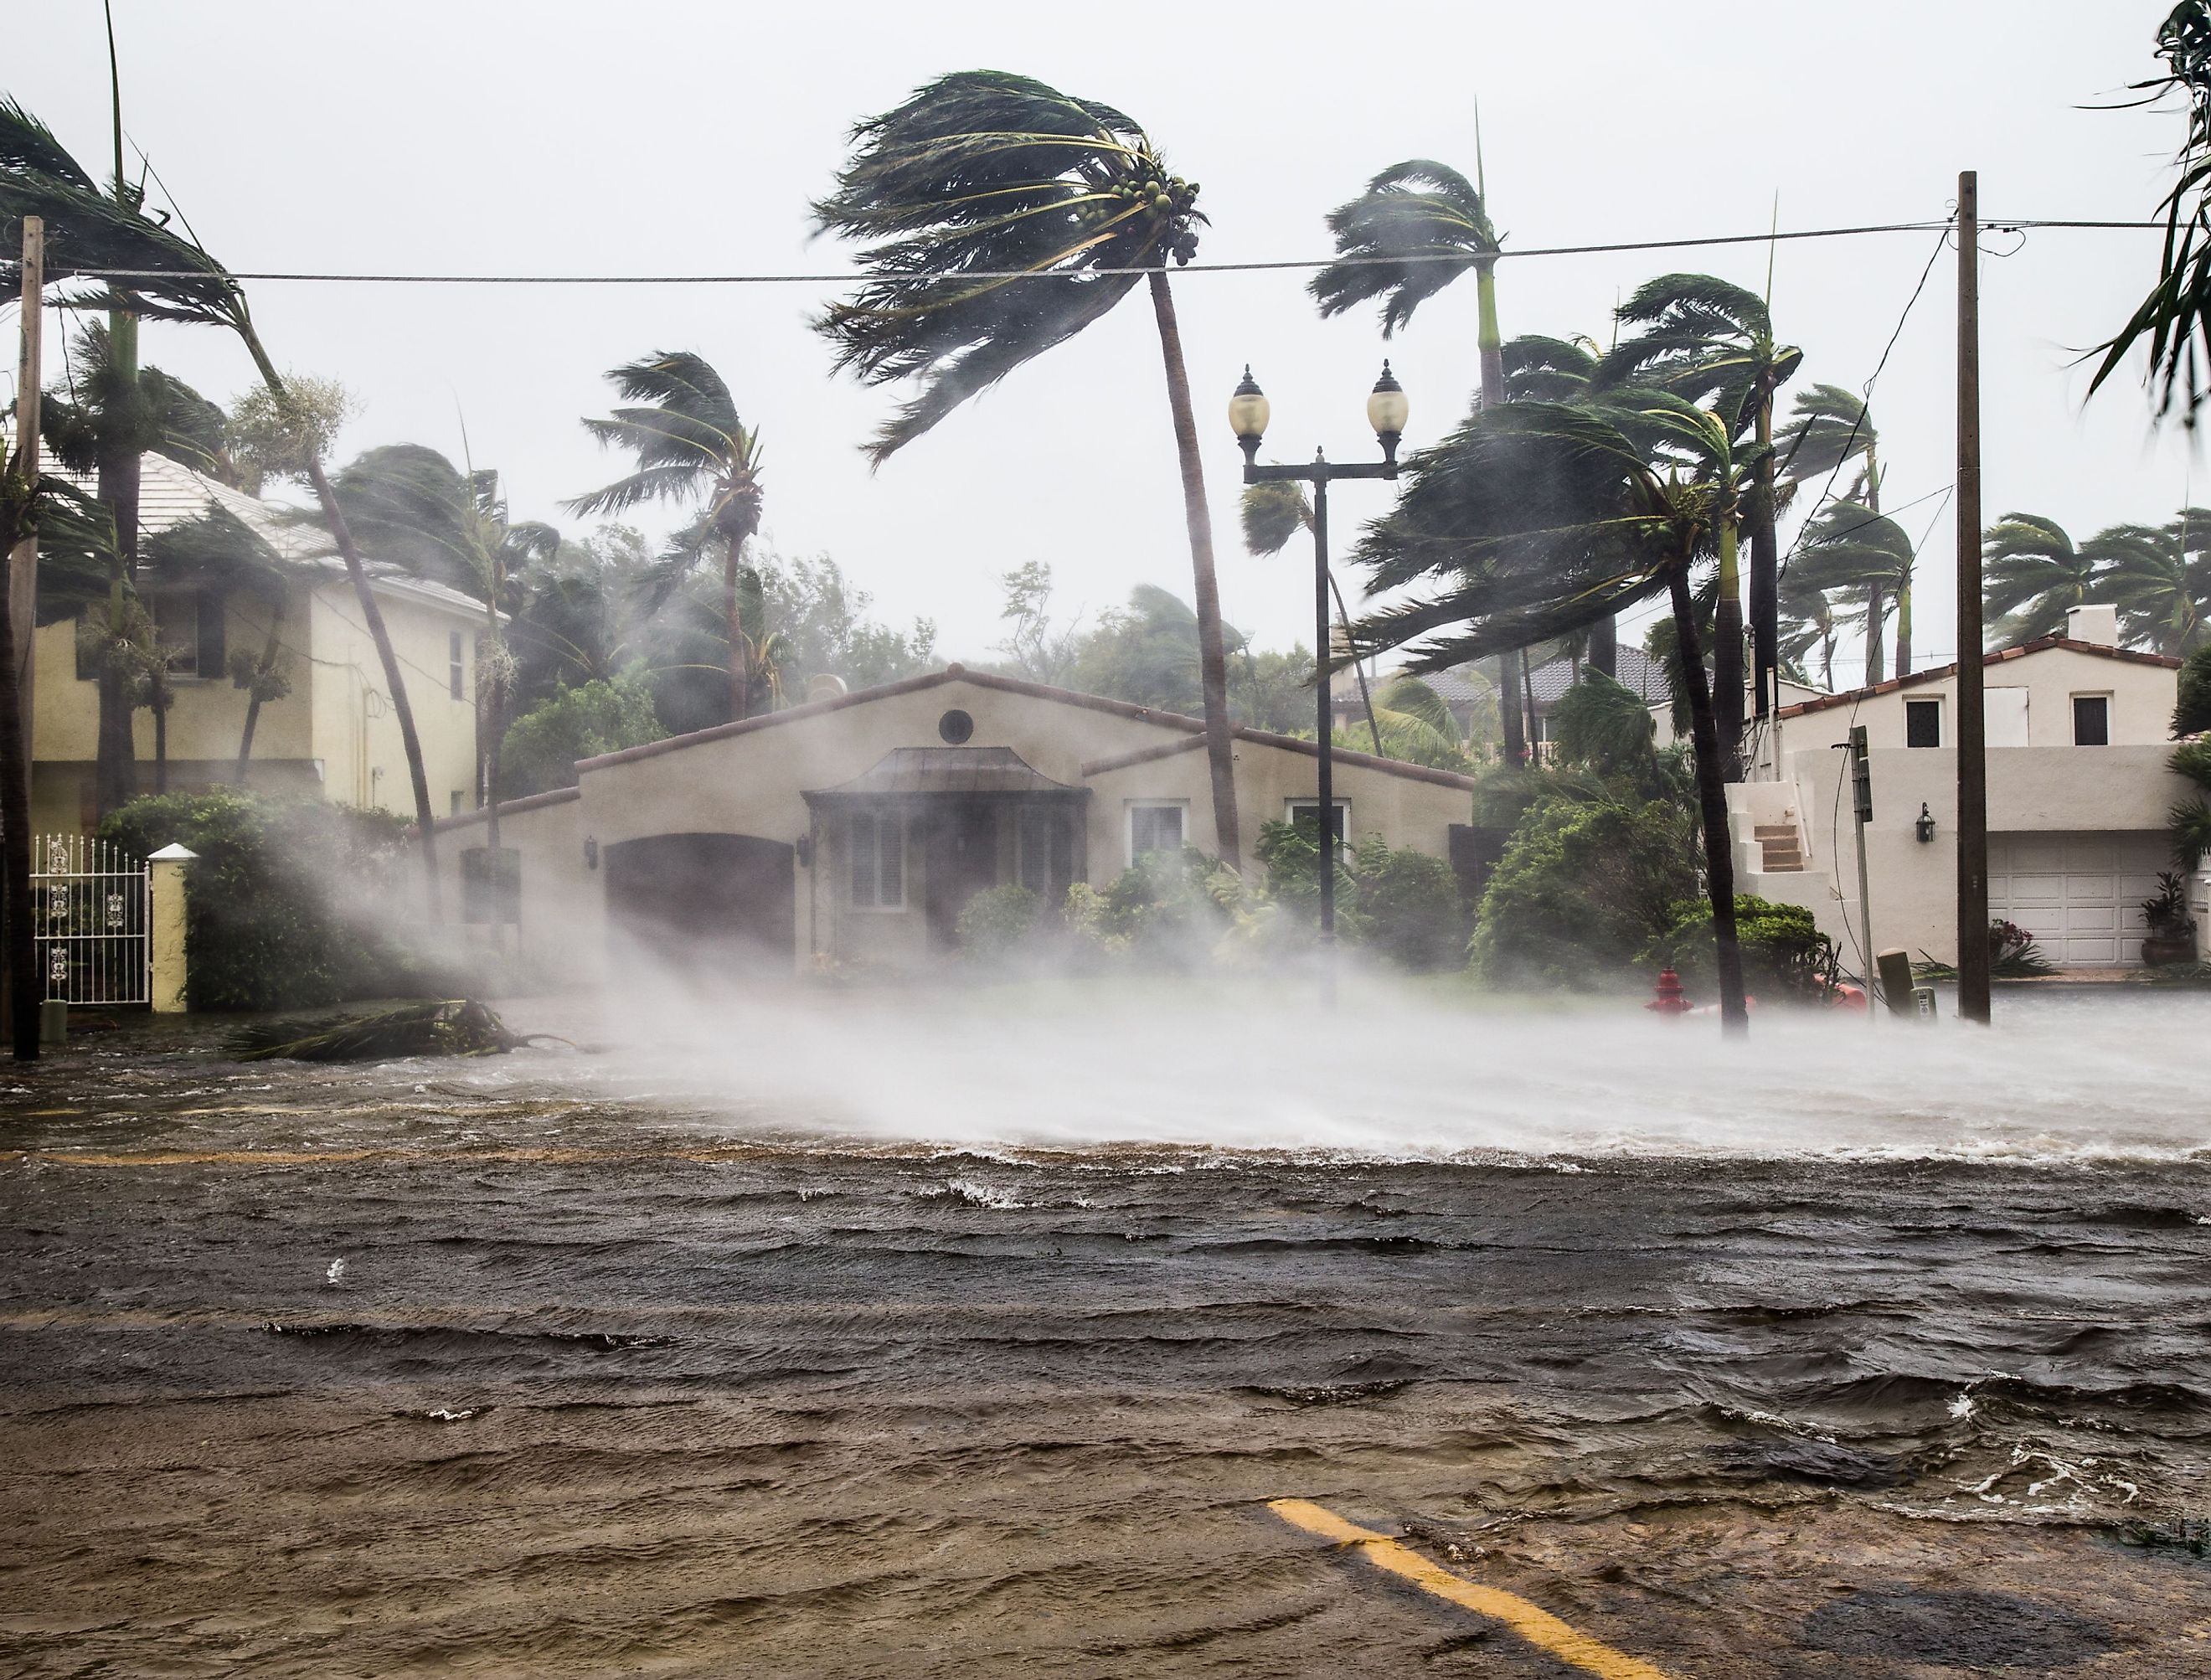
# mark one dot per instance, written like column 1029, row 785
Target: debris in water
column 446, row 1027
column 335, row 1276
column 454, row 1414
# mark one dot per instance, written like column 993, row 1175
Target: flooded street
column 983, row 1349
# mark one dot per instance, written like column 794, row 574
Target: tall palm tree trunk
column 1212, row 661
column 1727, row 657
column 1512, row 678
column 1604, row 646
column 1508, row 708
column 115, row 770
column 1711, row 804
column 426, row 819
column 22, row 951
column 1765, row 573
column 740, row 672
column 1877, row 668
column 159, row 706
column 270, row 650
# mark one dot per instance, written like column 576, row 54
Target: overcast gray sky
column 669, row 138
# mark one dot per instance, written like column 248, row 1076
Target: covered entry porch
column 901, row 849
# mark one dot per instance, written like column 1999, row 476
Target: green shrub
column 1582, row 891
column 281, row 909
column 1785, row 954
column 1169, row 908
column 539, row 750
column 997, row 922
column 1411, row 906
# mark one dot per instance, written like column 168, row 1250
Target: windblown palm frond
column 2030, row 573
column 217, row 549
column 1273, row 514
column 1540, row 369
column 1418, row 227
column 1706, row 340
column 2159, row 578
column 1827, row 426
column 981, row 173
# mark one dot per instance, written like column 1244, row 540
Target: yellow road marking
column 1537, row 1626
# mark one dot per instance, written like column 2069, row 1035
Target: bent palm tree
column 1540, row 369
column 1829, row 427
column 1851, row 551
column 221, row 550
column 1532, row 520
column 1709, row 341
column 2030, row 574
column 691, row 446
column 989, row 174
column 2159, row 578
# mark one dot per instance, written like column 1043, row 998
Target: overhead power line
column 962, row 276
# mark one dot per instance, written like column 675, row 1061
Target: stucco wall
column 562, row 937
column 356, row 732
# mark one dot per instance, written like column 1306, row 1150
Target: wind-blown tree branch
column 1849, row 550
column 981, row 173
column 1829, row 427
column 2175, row 317
column 411, row 507
column 2032, row 574
column 682, row 425
column 1272, row 514
column 1533, row 519
column 107, row 256
column 1708, row 340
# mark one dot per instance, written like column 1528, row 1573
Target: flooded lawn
column 864, row 1335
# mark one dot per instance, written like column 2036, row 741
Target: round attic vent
column 955, row 727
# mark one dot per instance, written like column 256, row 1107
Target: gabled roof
column 945, row 770
column 1937, row 673
column 1636, row 670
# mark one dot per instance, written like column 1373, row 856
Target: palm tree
column 1272, row 514
column 2030, row 574
column 1533, row 520
column 691, row 447
column 1709, row 341
column 992, row 174
column 220, row 552
column 171, row 277
column 2159, row 578
column 1540, row 369
column 1849, row 550
column 1418, row 227
column 408, row 505
column 1829, row 427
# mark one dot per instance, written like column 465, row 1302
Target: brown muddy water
column 852, row 1336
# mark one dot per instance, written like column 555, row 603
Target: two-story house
column 2078, row 733
column 333, row 736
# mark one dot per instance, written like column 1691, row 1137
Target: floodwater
column 873, row 1335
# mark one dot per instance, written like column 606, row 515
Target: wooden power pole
column 1972, row 733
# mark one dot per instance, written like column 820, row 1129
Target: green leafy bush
column 998, row 922
column 1785, row 954
column 1583, row 890
column 2192, row 715
column 1411, row 906
column 285, row 907
column 539, row 750
column 1170, row 906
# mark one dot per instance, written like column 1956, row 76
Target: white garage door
column 2079, row 895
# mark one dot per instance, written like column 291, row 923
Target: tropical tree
column 2032, row 573
column 1273, row 514
column 411, row 505
column 1418, row 227
column 1828, row 428
column 1848, row 550
column 984, row 173
column 220, row 553
column 2159, row 578
column 2175, row 317
column 144, row 268
column 683, row 426
column 1710, row 341
column 1532, row 520
column 1542, row 369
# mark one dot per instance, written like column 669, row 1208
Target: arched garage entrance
column 724, row 903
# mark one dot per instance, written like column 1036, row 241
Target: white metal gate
column 92, row 908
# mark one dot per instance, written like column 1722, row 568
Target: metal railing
column 92, row 910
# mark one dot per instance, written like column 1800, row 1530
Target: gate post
column 166, row 933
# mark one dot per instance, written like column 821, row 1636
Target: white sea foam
column 1404, row 1072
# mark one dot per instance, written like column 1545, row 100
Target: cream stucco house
column 2078, row 793
column 856, row 828
column 333, row 736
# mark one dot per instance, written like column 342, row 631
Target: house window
column 876, row 841
column 1046, row 848
column 455, row 674
column 188, row 624
column 1306, row 812
column 1155, row 825
column 457, row 802
column 1923, row 723
column 2092, row 720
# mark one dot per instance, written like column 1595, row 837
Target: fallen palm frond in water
column 446, row 1027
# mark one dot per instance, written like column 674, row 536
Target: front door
column 961, row 860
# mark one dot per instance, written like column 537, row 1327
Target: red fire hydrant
column 1669, row 1000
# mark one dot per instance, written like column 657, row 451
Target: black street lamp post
column 1386, row 411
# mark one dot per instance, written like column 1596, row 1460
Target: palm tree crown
column 1418, row 227
column 2030, row 573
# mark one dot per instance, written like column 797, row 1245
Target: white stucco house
column 854, row 828
column 2078, row 732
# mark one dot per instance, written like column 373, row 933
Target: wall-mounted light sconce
column 591, row 851
column 803, row 846
column 1926, row 824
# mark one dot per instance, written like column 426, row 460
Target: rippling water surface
column 870, row 1334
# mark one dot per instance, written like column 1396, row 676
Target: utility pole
column 23, row 560
column 1972, row 733
column 1862, row 814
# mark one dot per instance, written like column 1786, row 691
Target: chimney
column 2099, row 625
